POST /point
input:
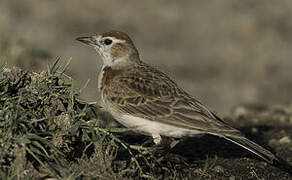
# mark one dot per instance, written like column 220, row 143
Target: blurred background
column 223, row 52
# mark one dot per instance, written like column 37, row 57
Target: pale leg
column 156, row 138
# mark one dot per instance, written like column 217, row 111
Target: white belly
column 148, row 127
column 155, row 128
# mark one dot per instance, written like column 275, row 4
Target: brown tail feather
column 253, row 147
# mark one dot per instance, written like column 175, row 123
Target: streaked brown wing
column 150, row 94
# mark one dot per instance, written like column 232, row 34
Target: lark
column 142, row 97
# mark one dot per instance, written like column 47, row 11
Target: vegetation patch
column 47, row 132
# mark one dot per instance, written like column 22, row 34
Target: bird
column 142, row 97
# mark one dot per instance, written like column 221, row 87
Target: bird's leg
column 162, row 144
column 156, row 139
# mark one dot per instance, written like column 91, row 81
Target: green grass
column 46, row 131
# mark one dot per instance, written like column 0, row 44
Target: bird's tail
column 253, row 147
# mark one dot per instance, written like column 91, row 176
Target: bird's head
column 114, row 47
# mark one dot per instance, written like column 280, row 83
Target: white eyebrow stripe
column 119, row 40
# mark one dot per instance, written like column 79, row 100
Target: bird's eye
column 107, row 41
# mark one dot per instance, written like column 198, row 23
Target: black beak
column 87, row 40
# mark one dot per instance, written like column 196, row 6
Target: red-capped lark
column 142, row 97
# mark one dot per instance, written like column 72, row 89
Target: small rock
column 218, row 169
column 232, row 178
column 239, row 111
column 273, row 142
column 254, row 130
column 285, row 140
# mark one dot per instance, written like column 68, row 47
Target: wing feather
column 150, row 94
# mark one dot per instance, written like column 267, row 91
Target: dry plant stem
column 124, row 145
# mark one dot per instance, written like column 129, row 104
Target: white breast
column 100, row 78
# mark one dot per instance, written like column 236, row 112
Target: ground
column 46, row 131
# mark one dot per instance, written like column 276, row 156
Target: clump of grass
column 46, row 131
